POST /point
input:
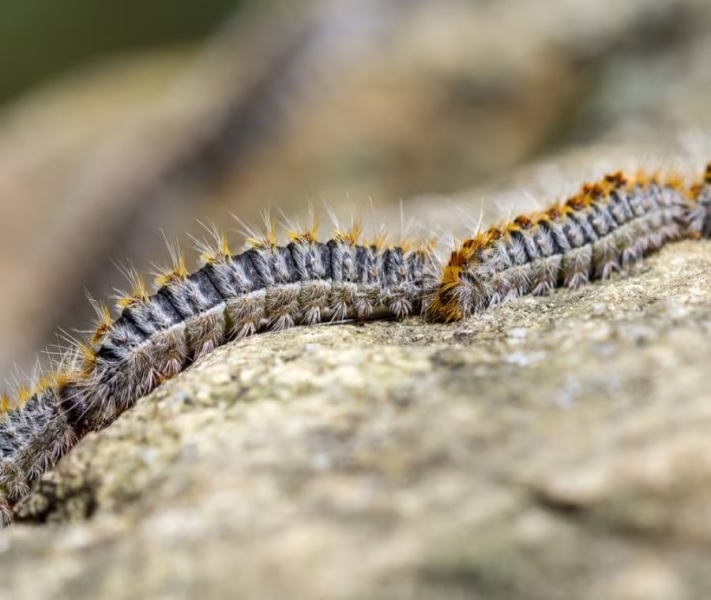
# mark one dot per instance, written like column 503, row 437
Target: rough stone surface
column 554, row 447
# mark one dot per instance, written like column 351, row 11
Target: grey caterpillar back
column 268, row 287
column 699, row 214
column 31, row 440
column 606, row 228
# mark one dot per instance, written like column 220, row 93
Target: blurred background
column 118, row 120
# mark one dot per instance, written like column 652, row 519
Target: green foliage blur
column 42, row 38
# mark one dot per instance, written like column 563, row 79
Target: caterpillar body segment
column 606, row 228
column 267, row 287
column 699, row 214
column 32, row 437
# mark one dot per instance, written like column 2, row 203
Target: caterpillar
column 267, row 287
column 608, row 227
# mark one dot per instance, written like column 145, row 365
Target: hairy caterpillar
column 607, row 227
column 267, row 287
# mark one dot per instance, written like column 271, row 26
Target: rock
column 554, row 447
